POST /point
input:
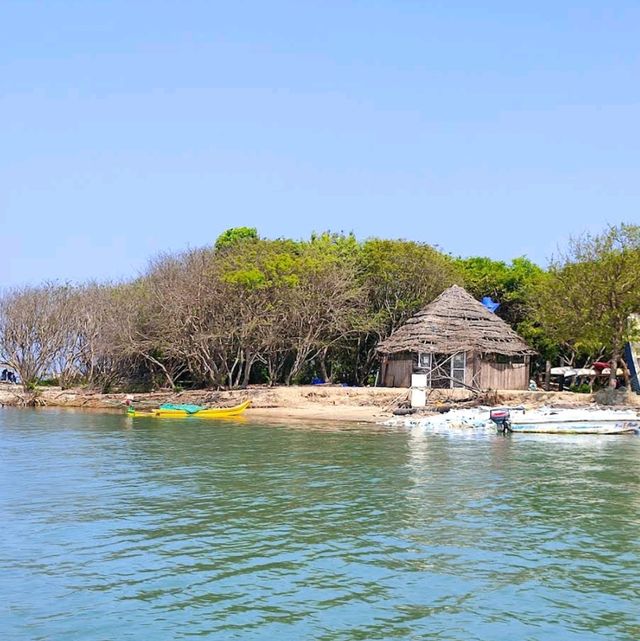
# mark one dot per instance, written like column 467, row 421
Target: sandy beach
column 304, row 403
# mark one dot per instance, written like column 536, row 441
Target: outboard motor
column 502, row 418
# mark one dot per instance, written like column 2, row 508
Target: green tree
column 398, row 278
column 305, row 295
column 510, row 284
column 592, row 290
column 234, row 235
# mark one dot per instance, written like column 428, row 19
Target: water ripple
column 115, row 529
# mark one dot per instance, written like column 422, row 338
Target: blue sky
column 132, row 128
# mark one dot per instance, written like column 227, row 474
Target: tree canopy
column 250, row 309
column 235, row 235
column 586, row 299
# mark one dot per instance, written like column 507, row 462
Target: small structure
column 456, row 342
column 632, row 355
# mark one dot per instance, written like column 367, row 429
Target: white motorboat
column 565, row 421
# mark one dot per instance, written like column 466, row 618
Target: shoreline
column 371, row 405
column 293, row 403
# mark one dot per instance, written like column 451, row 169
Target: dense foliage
column 587, row 299
column 249, row 309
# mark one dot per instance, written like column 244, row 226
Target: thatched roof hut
column 455, row 323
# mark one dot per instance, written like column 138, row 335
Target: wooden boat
column 569, row 421
column 177, row 411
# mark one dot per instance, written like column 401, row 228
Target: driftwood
column 404, row 411
column 405, row 392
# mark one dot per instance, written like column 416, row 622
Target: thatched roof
column 455, row 322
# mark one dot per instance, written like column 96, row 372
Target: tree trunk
column 250, row 360
column 613, row 368
column 547, row 376
column 165, row 371
column 322, row 363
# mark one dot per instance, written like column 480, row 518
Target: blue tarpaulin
column 632, row 357
column 490, row 304
column 189, row 409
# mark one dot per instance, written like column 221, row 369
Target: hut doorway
column 444, row 371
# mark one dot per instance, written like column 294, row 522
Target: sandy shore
column 313, row 402
column 298, row 403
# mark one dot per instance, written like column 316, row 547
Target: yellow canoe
column 210, row 412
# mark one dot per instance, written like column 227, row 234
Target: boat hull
column 565, row 421
column 214, row 412
column 578, row 427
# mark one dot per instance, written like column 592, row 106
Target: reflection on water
column 116, row 528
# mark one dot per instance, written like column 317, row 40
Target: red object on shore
column 600, row 365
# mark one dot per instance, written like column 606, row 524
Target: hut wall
column 507, row 376
column 486, row 371
column 397, row 371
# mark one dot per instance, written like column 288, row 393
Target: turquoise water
column 117, row 529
